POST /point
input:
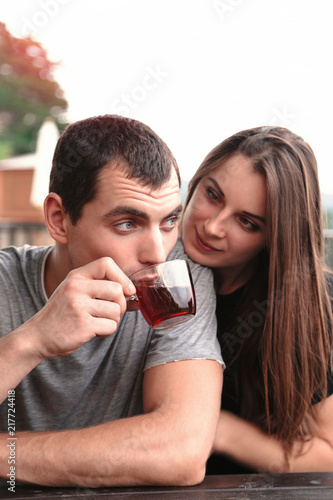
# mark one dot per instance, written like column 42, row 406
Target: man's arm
column 88, row 303
column 17, row 358
column 247, row 444
column 167, row 445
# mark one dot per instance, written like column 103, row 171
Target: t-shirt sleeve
column 193, row 339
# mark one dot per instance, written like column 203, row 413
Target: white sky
column 196, row 71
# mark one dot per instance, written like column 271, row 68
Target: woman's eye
column 211, row 194
column 249, row 225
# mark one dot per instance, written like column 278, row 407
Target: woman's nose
column 216, row 226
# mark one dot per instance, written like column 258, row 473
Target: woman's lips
column 203, row 245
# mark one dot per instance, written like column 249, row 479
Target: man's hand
column 88, row 303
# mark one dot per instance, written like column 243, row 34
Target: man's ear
column 56, row 218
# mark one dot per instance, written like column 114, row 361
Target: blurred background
column 196, row 71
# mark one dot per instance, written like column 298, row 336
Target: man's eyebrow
column 126, row 210
column 176, row 211
column 131, row 211
column 217, row 187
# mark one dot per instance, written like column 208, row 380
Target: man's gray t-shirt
column 102, row 380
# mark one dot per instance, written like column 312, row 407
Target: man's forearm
column 17, row 358
column 139, row 450
column 168, row 445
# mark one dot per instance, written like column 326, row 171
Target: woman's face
column 224, row 224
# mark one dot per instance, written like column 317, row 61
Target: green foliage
column 28, row 93
column 328, row 242
column 328, row 252
column 329, row 220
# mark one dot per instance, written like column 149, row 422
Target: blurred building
column 23, row 187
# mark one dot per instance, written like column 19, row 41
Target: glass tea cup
column 165, row 293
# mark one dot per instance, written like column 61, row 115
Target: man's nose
column 153, row 249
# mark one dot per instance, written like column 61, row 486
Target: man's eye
column 170, row 223
column 125, row 226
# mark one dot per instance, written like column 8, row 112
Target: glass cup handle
column 132, row 297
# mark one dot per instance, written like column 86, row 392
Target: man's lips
column 204, row 245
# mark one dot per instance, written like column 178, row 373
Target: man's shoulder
column 12, row 257
column 25, row 252
column 178, row 252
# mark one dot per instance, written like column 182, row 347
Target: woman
column 253, row 214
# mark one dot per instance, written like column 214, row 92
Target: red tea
column 159, row 304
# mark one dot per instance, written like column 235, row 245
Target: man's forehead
column 116, row 179
column 120, row 166
column 120, row 194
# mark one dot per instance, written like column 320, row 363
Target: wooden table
column 303, row 486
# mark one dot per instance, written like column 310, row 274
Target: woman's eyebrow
column 255, row 216
column 217, row 187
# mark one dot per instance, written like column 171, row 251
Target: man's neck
column 56, row 270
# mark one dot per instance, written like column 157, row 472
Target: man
column 111, row 402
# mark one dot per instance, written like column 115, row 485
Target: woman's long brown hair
column 282, row 367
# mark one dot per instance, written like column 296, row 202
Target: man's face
column 126, row 221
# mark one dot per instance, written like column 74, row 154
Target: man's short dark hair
column 87, row 146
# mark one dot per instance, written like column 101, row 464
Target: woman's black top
column 225, row 305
